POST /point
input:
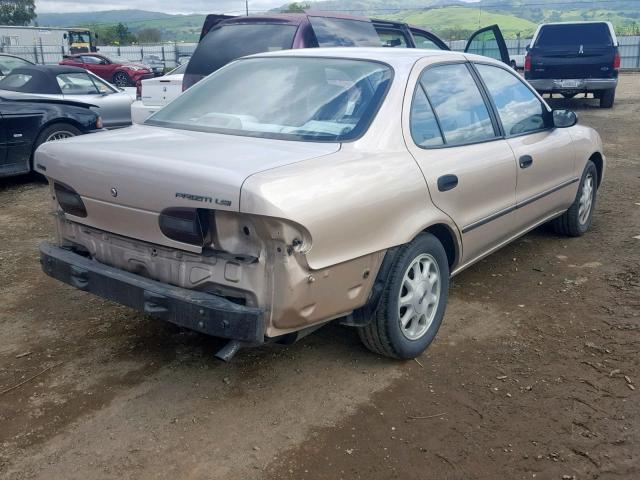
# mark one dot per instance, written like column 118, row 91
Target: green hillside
column 440, row 16
column 454, row 22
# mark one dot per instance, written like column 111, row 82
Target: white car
column 156, row 93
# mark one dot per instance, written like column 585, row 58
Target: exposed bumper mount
column 200, row 311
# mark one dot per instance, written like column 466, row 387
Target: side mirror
column 564, row 118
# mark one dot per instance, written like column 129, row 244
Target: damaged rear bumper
column 200, row 311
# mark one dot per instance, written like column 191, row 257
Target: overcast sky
column 168, row 6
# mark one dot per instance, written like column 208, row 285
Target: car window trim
column 421, row 88
column 495, row 108
column 497, row 128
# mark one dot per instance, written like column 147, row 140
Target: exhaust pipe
column 230, row 349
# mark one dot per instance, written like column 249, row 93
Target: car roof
column 392, row 56
column 290, row 18
column 43, row 78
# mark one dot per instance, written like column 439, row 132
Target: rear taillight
column 527, row 62
column 616, row 61
column 99, row 123
column 69, row 200
column 138, row 90
column 186, row 225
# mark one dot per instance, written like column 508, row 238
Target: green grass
column 442, row 20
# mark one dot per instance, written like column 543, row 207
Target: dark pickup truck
column 574, row 57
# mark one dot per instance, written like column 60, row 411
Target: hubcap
column 59, row 135
column 419, row 296
column 586, row 199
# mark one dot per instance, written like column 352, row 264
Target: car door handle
column 526, row 161
column 447, row 182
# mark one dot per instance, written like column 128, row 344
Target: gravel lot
column 535, row 372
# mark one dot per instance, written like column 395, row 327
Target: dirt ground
column 535, row 372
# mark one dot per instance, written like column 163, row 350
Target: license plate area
column 570, row 83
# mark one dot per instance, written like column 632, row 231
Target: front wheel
column 576, row 221
column 121, row 79
column 413, row 302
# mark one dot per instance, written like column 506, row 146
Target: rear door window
column 424, row 126
column 423, row 41
column 392, row 37
column 574, row 34
column 344, row 32
column 459, row 106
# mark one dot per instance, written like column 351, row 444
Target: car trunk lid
column 127, row 177
column 160, row 91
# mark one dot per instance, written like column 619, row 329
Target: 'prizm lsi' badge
column 114, row 192
column 203, row 199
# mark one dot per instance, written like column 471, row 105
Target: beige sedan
column 294, row 188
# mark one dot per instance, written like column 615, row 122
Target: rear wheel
column 57, row 131
column 121, row 79
column 607, row 98
column 413, row 301
column 576, row 221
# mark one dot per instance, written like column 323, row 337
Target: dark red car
column 225, row 38
column 117, row 70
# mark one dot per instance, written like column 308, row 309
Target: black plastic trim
column 200, row 311
column 524, row 203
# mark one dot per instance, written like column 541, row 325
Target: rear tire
column 413, row 301
column 607, row 97
column 577, row 219
column 56, row 131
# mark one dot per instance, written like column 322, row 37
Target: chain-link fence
column 173, row 54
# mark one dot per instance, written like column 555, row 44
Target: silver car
column 70, row 83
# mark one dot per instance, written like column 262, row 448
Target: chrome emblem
column 114, row 192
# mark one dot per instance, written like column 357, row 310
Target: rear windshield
column 343, row 32
column 229, row 42
column 289, row 98
column 15, row 82
column 574, row 34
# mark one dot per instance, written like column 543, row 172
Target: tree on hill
column 149, row 35
column 118, row 34
column 297, row 7
column 17, row 12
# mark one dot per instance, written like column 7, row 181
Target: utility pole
column 246, row 4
